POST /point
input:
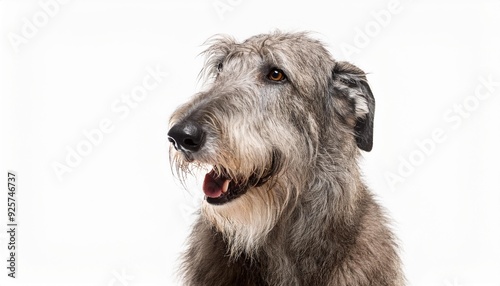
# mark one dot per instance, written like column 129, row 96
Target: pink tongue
column 213, row 186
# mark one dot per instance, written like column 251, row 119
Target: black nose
column 186, row 136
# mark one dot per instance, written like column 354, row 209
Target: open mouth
column 220, row 189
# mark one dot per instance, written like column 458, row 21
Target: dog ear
column 351, row 80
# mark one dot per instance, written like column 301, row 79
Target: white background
column 120, row 218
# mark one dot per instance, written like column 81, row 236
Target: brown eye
column 276, row 75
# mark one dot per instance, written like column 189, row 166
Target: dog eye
column 276, row 75
column 219, row 67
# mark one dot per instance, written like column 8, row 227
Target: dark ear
column 351, row 80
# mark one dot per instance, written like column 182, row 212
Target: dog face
column 272, row 105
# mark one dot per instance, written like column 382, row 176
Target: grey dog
column 279, row 129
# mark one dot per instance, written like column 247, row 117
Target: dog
column 280, row 128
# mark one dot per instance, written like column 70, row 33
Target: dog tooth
column 225, row 186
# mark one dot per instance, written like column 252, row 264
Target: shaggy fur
column 304, row 216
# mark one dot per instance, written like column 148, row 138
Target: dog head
column 278, row 112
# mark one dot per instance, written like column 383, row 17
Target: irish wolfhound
column 280, row 125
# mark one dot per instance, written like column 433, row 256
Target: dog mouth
column 220, row 188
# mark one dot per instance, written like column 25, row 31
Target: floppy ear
column 352, row 81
